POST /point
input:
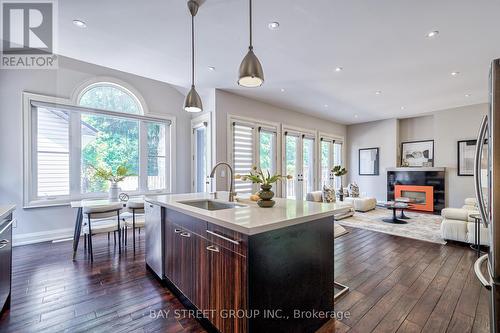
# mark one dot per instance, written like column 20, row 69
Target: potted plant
column 339, row 171
column 113, row 177
column 265, row 180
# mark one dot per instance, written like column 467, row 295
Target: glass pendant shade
column 251, row 73
column 192, row 103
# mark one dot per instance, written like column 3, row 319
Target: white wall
column 57, row 222
column 227, row 103
column 445, row 127
column 377, row 134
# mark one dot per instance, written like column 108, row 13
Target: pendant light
column 192, row 103
column 251, row 73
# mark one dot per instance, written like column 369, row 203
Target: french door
column 327, row 162
column 300, row 164
column 201, row 153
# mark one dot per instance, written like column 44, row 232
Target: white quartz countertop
column 251, row 219
column 6, row 210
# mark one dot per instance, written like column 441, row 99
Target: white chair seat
column 140, row 221
column 102, row 226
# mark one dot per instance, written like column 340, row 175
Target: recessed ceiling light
column 211, row 68
column 454, row 73
column 326, row 105
column 467, row 95
column 432, row 34
column 338, row 69
column 402, row 108
column 80, row 24
column 378, row 92
column 273, row 25
column 282, row 89
column 355, row 116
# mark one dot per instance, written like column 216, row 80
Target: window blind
column 243, row 155
column 52, row 152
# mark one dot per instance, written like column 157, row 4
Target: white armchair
column 457, row 224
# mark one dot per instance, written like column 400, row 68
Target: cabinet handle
column 223, row 237
column 177, row 231
column 185, row 234
column 3, row 243
column 213, row 248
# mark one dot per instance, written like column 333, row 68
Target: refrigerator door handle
column 477, row 170
column 479, row 274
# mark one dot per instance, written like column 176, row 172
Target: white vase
column 114, row 190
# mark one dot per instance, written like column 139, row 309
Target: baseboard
column 41, row 236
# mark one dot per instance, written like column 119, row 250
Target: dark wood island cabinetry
column 270, row 281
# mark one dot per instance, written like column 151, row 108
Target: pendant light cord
column 250, row 5
column 192, row 50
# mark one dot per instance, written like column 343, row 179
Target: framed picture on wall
column 368, row 162
column 417, row 153
column 465, row 157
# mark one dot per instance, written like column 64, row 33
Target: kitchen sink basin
column 211, row 204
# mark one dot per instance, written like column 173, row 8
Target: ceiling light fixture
column 273, row 25
column 282, row 89
column 467, row 95
column 454, row 73
column 432, row 34
column 378, row 92
column 355, row 116
column 326, row 105
column 251, row 74
column 402, row 108
column 339, row 69
column 192, row 103
column 80, row 24
column 211, row 68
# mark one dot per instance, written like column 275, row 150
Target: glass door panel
column 337, row 160
column 307, row 166
column 292, row 167
column 200, row 158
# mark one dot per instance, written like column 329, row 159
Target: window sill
column 67, row 201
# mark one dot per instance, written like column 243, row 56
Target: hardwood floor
column 396, row 285
column 404, row 285
column 51, row 293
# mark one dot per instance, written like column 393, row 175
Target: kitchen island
column 243, row 268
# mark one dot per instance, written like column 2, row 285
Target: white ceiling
column 380, row 44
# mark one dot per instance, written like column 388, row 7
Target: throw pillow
column 328, row 194
column 353, row 190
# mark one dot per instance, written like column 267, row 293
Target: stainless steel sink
column 210, row 204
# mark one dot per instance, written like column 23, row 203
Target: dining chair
column 99, row 221
column 134, row 218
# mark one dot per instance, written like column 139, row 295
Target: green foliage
column 108, row 175
column 259, row 177
column 266, row 151
column 339, row 171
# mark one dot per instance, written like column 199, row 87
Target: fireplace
column 429, row 178
column 420, row 197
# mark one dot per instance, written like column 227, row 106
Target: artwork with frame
column 417, row 153
column 368, row 162
column 466, row 151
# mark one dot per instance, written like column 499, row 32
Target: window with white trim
column 253, row 144
column 64, row 141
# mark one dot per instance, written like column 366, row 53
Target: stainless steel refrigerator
column 487, row 187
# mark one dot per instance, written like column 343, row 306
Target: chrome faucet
column 231, row 187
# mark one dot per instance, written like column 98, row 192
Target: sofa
column 317, row 196
column 361, row 204
column 457, row 224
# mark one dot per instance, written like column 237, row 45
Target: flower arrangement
column 265, row 180
column 114, row 177
column 259, row 177
column 339, row 171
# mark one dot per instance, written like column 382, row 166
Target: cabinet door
column 187, row 265
column 228, row 288
column 5, row 260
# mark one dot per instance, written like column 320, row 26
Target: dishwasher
column 154, row 238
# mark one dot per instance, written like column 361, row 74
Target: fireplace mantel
column 416, row 169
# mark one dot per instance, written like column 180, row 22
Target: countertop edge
column 247, row 231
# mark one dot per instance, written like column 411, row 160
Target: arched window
column 110, row 96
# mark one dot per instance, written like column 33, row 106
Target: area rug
column 420, row 226
column 338, row 230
